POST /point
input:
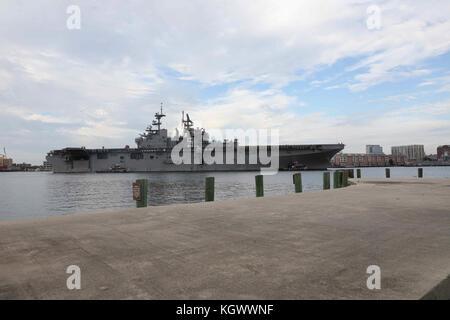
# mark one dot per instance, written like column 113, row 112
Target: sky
column 358, row 72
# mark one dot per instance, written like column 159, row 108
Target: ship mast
column 158, row 117
column 187, row 124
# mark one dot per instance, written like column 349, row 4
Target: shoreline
column 256, row 170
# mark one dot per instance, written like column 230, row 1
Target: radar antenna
column 158, row 117
column 187, row 124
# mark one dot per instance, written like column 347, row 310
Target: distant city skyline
column 357, row 72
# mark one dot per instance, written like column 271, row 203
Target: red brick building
column 443, row 152
column 351, row 160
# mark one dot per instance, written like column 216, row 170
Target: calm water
column 38, row 194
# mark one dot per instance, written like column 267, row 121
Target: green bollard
column 351, row 173
column 420, row 172
column 298, row 182
column 326, row 180
column 140, row 192
column 259, row 185
column 388, row 173
column 345, row 178
column 209, row 189
column 358, row 173
column 335, row 179
column 340, row 178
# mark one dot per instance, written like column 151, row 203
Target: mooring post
column 388, row 173
column 209, row 189
column 351, row 173
column 298, row 182
column 420, row 172
column 341, row 178
column 358, row 173
column 345, row 178
column 140, row 191
column 259, row 185
column 336, row 179
column 326, row 180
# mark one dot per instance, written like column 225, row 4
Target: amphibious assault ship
column 154, row 153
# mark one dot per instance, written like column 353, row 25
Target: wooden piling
column 209, row 189
column 326, row 180
column 143, row 185
column 298, row 182
column 351, row 173
column 336, row 179
column 259, row 181
column 420, row 172
column 388, row 172
column 358, row 173
column 341, row 178
column 345, row 178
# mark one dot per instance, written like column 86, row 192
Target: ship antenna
column 158, row 117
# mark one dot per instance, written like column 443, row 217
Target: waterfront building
column 374, row 149
column 5, row 163
column 443, row 152
column 351, row 160
column 47, row 166
column 23, row 166
column 431, row 157
column 411, row 152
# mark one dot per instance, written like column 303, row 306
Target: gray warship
column 153, row 153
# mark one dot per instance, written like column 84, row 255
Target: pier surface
column 313, row 245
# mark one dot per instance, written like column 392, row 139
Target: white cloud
column 437, row 108
column 26, row 115
column 243, row 108
column 421, row 123
column 397, row 98
column 104, row 81
column 45, row 118
column 108, row 80
column 271, row 40
column 425, row 83
column 333, row 87
column 442, row 82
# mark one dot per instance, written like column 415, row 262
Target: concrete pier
column 312, row 245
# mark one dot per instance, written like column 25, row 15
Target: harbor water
column 26, row 195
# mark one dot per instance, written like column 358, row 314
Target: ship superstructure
column 154, row 148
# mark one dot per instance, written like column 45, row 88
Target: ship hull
column 80, row 160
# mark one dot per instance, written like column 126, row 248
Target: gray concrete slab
column 314, row 245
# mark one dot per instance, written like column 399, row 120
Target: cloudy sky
column 358, row 72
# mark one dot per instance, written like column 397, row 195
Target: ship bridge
column 154, row 138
